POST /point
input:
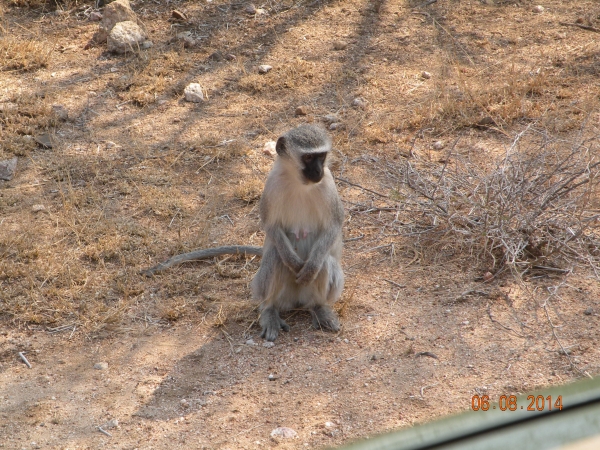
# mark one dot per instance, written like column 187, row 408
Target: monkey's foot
column 271, row 323
column 325, row 318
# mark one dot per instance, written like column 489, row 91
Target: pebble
column 184, row 403
column 538, row 9
column 488, row 276
column 272, row 377
column 340, row 45
column 283, row 432
column 589, row 311
column 44, row 140
column 438, row 145
column 230, row 57
column 95, row 16
column 112, row 423
column 60, row 112
column 250, row 342
column 250, row 9
column 269, row 149
column 38, row 208
column 193, row 93
column 330, row 118
column 335, row 126
column 101, row 366
column 264, row 68
column 178, row 15
column 359, row 102
column 302, row 110
column 329, row 424
column 7, row 169
column 269, row 344
column 425, row 75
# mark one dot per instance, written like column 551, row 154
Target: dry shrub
column 23, row 54
column 534, row 207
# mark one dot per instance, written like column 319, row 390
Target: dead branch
column 580, row 25
column 198, row 255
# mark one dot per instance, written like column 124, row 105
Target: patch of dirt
column 134, row 174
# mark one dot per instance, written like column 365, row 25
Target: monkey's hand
column 286, row 252
column 308, row 273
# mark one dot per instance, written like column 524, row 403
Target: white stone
column 264, row 68
column 283, row 432
column 126, row 37
column 269, row 148
column 193, row 93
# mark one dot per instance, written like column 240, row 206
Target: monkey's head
column 307, row 147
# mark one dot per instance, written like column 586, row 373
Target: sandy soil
column 136, row 174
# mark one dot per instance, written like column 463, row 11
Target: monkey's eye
column 308, row 158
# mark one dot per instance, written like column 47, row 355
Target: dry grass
column 23, row 55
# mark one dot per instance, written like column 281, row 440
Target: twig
column 489, row 311
column 552, row 290
column 104, row 432
column 423, row 5
column 24, row 359
column 206, row 253
column 363, row 188
column 580, row 25
column 431, row 355
column 427, row 387
column 401, row 286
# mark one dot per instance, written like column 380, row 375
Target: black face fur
column 314, row 164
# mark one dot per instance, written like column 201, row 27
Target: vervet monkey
column 302, row 216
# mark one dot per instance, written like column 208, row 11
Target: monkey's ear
column 280, row 146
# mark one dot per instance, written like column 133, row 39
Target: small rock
column 589, row 311
column 38, row 208
column 112, row 423
column 7, row 169
column 488, row 276
column 184, row 403
column 359, row 102
column 335, row 126
column 188, row 39
column 425, row 75
column 330, row 118
column 283, row 432
column 486, row 121
column 101, row 366
column 302, row 110
column 538, row 9
column 329, row 424
column 269, row 344
column 125, row 37
column 193, row 93
column 270, row 148
column 216, row 56
column 44, row 140
column 264, row 68
column 250, row 342
column 115, row 12
column 340, row 45
column 250, row 9
column 260, row 11
column 60, row 112
column 230, row 57
column 438, row 145
column 272, row 377
column 178, row 15
column 146, row 45
column 95, row 16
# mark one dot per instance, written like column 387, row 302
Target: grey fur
column 300, row 265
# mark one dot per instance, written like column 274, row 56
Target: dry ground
column 136, row 174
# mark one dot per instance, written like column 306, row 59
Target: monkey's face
column 313, row 166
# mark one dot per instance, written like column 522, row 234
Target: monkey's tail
column 204, row 253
